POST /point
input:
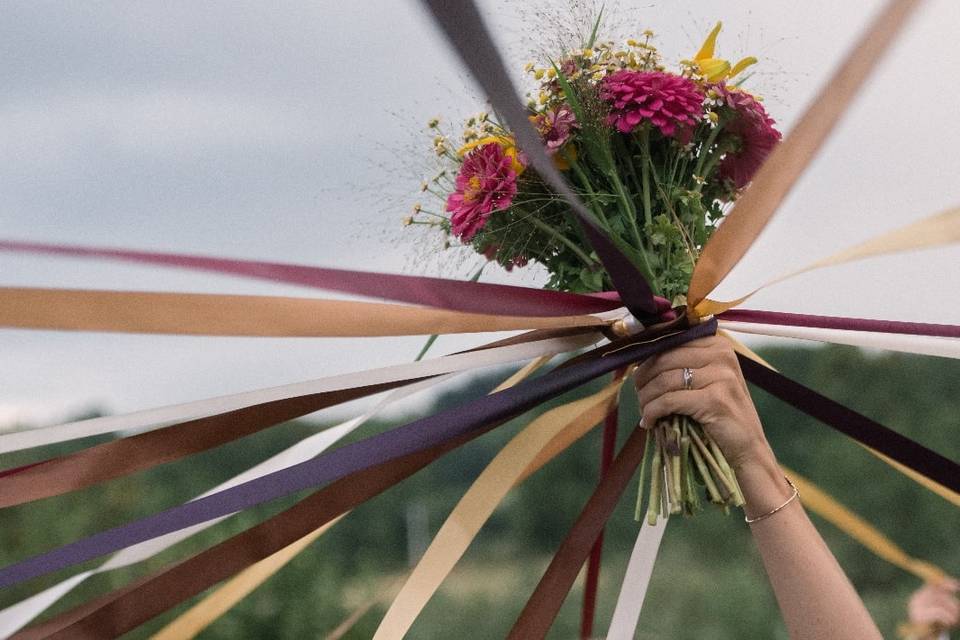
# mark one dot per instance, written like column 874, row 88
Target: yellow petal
column 743, row 64
column 713, row 69
column 706, row 51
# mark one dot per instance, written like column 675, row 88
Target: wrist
column 762, row 481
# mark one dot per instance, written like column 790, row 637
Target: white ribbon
column 633, row 590
column 163, row 416
column 16, row 616
column 906, row 343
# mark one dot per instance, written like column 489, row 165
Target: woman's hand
column 718, row 399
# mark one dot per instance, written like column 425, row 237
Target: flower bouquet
column 657, row 155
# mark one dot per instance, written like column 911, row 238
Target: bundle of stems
column 680, row 457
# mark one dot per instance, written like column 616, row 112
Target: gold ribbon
column 790, row 159
column 238, row 315
column 861, row 530
column 530, row 449
column 206, row 611
column 937, row 230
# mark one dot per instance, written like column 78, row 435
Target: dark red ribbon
column 839, row 322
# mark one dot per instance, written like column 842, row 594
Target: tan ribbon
column 790, row 159
column 530, row 449
column 206, row 611
column 946, row 493
column 240, row 315
column 937, row 230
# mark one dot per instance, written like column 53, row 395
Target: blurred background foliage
column 708, row 583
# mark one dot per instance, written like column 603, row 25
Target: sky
column 295, row 132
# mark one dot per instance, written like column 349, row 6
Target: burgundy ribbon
column 836, row 322
column 470, row 419
column 442, row 293
column 859, row 427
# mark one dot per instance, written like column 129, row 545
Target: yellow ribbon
column 937, row 230
column 530, row 449
column 202, row 614
column 239, row 315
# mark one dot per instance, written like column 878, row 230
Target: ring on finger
column 687, row 379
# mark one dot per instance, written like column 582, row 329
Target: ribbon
column 204, row 613
column 115, row 613
column 545, row 602
column 215, row 605
column 469, row 420
column 464, row 27
column 861, row 530
column 840, row 323
column 905, row 343
column 517, row 460
column 18, row 615
column 441, row 293
column 114, row 459
column 934, row 231
column 499, row 352
column 259, row 316
column 788, row 160
column 608, row 445
column 857, row 426
column 633, row 589
column 945, row 493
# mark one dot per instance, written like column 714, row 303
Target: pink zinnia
column 556, row 126
column 666, row 100
column 486, row 183
column 755, row 134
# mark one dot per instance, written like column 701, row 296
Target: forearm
column 815, row 597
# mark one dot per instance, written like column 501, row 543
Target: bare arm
column 815, row 597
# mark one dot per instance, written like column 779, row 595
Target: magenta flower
column 486, row 183
column 555, row 127
column 754, row 134
column 666, row 100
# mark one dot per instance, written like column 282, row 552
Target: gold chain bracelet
column 796, row 494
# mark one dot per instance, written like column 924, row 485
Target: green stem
column 656, row 473
column 645, row 174
column 540, row 224
column 592, row 199
column 637, row 512
column 704, row 150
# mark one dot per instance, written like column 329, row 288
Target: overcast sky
column 287, row 131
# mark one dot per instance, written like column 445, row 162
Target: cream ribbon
column 633, row 589
column 530, row 449
column 155, row 418
column 904, row 343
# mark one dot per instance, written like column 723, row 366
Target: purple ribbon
column 470, row 419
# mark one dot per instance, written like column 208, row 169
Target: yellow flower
column 507, row 143
column 717, row 69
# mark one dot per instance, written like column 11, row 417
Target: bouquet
column 657, row 155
